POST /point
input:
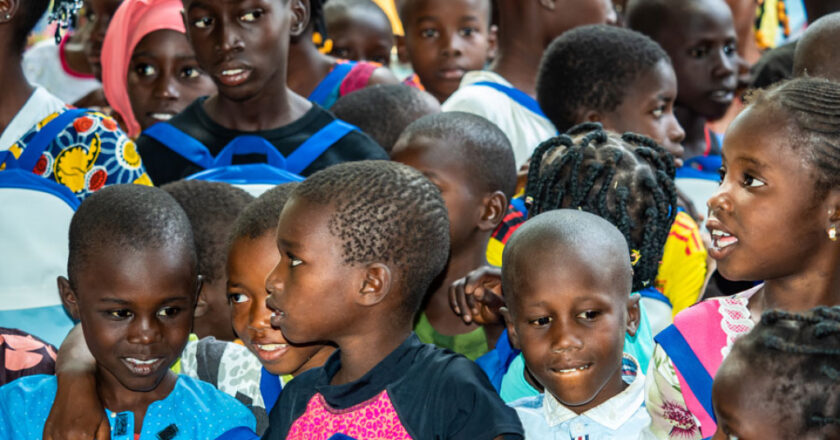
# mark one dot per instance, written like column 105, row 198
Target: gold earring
column 832, row 232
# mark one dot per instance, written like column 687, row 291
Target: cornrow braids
column 813, row 108
column 626, row 179
column 799, row 357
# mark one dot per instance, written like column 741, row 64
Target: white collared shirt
column 621, row 417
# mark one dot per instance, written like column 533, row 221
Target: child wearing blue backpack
column 248, row 63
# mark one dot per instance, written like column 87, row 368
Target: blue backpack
column 254, row 178
column 35, row 220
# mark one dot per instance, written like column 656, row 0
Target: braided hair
column 812, row 107
column 799, row 356
column 626, row 179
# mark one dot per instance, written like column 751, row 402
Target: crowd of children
column 411, row 219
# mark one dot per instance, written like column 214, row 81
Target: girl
column 774, row 218
column 149, row 70
column 324, row 79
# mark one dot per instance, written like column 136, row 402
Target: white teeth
column 719, row 233
column 572, row 370
column 161, row 116
column 271, row 347
column 139, row 362
column 232, row 72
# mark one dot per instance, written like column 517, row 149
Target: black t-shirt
column 164, row 165
column 418, row 389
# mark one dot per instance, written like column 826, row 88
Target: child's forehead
column 419, row 9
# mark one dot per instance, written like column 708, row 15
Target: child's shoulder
column 24, row 406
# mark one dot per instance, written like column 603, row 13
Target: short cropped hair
column 384, row 111
column 128, row 216
column 212, row 208
column 592, row 68
column 483, row 149
column 385, row 212
column 261, row 215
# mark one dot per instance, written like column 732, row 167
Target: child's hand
column 477, row 297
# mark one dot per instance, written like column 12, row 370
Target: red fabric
column 358, row 78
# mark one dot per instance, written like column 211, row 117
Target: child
column 444, row 39
column 252, row 98
column 566, row 279
column 699, row 36
column 783, row 145
column 149, row 71
column 321, row 78
column 505, row 93
column 359, row 30
column 132, row 283
column 61, row 68
column 360, row 243
column 98, row 14
column 402, row 104
column 470, row 160
column 796, row 396
column 816, row 52
column 212, row 208
column 625, row 81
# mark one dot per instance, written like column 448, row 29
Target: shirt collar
column 614, row 412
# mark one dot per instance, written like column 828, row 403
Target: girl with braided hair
column 774, row 218
column 798, row 394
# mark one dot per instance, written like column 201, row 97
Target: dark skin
column 473, row 212
column 360, row 35
column 18, row 89
column 244, row 50
column 526, row 28
column 763, row 228
column 98, row 15
column 820, row 8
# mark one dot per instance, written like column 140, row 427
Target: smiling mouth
column 723, row 96
column 161, row 116
column 270, row 352
column 233, row 77
column 572, row 370
column 142, row 367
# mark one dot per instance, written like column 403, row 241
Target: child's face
column 164, row 77
column 569, row 317
column 464, row 203
column 740, row 408
column 310, row 287
column 241, row 44
column 249, row 262
column 569, row 14
column 444, row 39
column 648, row 109
column 361, row 35
column 136, row 310
column 98, row 15
column 764, row 219
column 702, row 47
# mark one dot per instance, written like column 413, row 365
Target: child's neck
column 272, row 108
column 695, row 131
column 117, row 398
column 362, row 350
column 438, row 310
column 307, row 66
column 818, row 286
column 17, row 89
column 517, row 62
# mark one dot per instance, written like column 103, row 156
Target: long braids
column 626, row 179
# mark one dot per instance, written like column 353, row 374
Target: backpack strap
column 515, row 94
column 248, row 144
column 689, row 365
column 652, row 293
column 39, row 143
column 316, row 145
column 270, row 388
column 330, row 82
column 181, row 143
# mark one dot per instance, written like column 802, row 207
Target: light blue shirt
column 193, row 410
column 622, row 417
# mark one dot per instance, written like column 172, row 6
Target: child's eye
column 658, row 112
column 251, row 16
column 698, row 52
column 540, row 322
column 120, row 314
column 752, row 182
column 145, row 69
column 467, row 32
column 429, row 33
column 730, row 49
column 203, row 22
column 168, row 312
column 190, row 73
column 236, row 298
column 721, row 174
column 294, row 261
column 588, row 315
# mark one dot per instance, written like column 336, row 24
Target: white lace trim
column 736, row 320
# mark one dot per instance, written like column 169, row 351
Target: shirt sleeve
column 670, row 417
column 683, row 269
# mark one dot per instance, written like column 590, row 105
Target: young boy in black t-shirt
column 247, row 59
column 360, row 244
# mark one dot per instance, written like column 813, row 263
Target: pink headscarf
column 133, row 20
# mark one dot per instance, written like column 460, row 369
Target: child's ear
column 512, row 335
column 634, row 314
column 376, row 285
column 68, row 297
column 591, row 116
column 492, row 41
column 833, row 217
column 201, row 304
column 300, row 17
column 494, row 209
column 8, row 9
column 402, row 49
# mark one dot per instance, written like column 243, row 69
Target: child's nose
column 564, row 337
column 166, row 88
column 143, row 331
column 725, row 64
column 720, row 201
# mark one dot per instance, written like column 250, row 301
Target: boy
column 566, row 280
column 505, row 93
column 252, row 98
column 359, row 30
column 444, row 39
column 817, row 53
column 699, row 37
column 212, row 208
column 384, row 111
column 471, row 161
column 132, row 282
column 360, row 244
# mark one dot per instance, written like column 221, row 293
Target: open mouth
column 723, row 95
column 722, row 240
column 234, row 77
column 142, row 367
column 158, row 116
column 269, row 352
column 571, row 369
